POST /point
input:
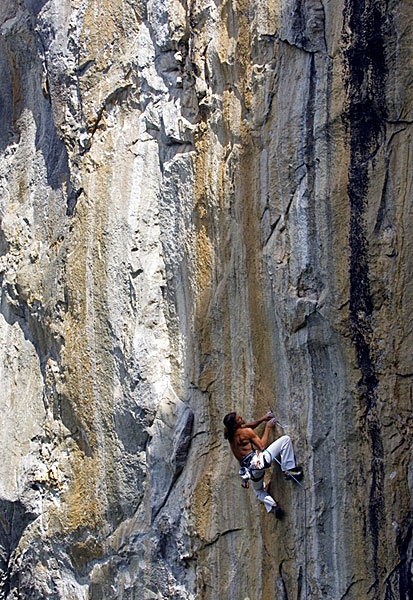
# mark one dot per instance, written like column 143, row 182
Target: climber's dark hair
column 230, row 426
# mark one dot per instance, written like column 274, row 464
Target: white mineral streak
column 204, row 206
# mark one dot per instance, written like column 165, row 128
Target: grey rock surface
column 204, row 207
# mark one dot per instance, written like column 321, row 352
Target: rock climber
column 254, row 456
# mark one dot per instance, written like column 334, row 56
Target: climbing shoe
column 277, row 511
column 296, row 473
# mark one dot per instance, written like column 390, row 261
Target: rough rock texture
column 205, row 206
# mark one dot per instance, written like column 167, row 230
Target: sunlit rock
column 204, row 207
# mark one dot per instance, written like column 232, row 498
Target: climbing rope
column 305, row 490
column 305, row 530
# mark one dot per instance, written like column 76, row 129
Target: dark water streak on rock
column 365, row 119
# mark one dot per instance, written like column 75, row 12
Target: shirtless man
column 253, row 455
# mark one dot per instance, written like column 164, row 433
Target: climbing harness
column 245, row 474
column 250, row 464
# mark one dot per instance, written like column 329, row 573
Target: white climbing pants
column 282, row 448
column 262, row 494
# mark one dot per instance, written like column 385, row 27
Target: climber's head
column 232, row 422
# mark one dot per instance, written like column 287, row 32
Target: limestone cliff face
column 205, row 206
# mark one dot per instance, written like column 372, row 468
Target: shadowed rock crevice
column 177, row 459
column 23, row 88
column 14, row 518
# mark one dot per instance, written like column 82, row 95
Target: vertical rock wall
column 205, row 206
